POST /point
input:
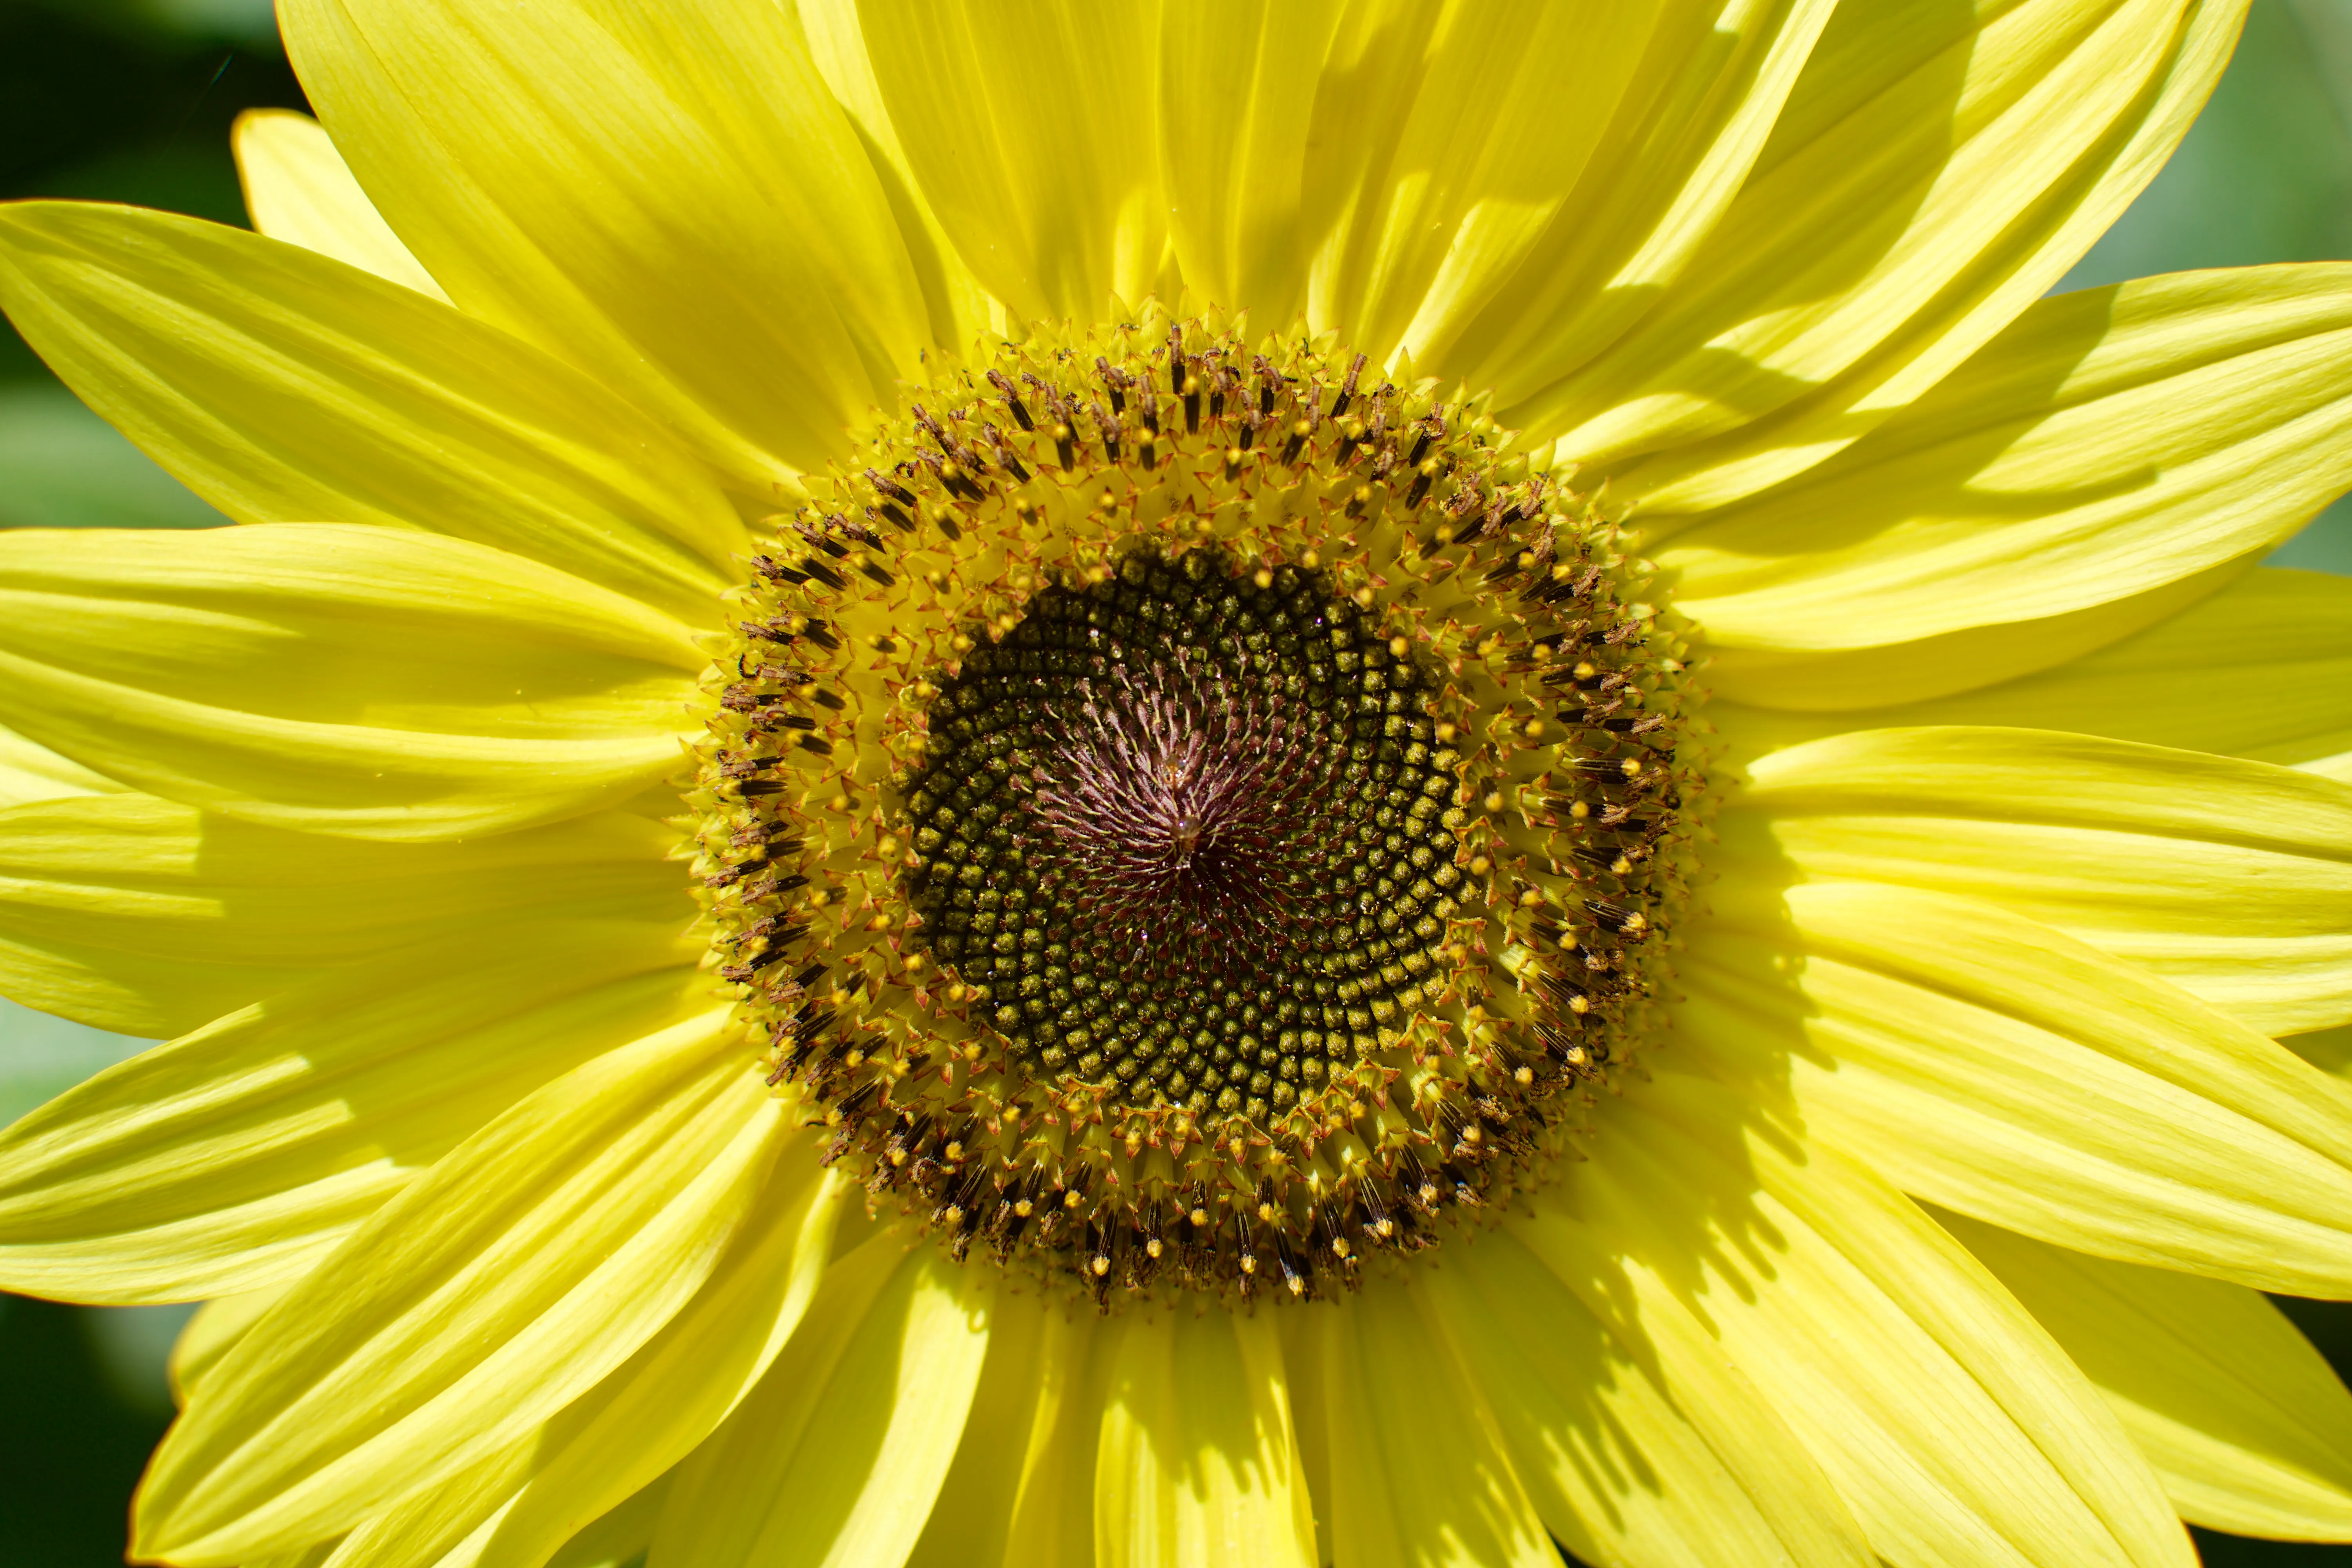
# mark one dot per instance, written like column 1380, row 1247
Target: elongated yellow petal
column 31, row 773
column 722, row 252
column 836, row 1455
column 369, row 681
column 298, row 189
column 1420, row 1471
column 2232, row 879
column 1936, row 170
column 526, row 1265
column 1198, row 1465
column 1687, row 132
column 211, row 1330
column 1638, row 1454
column 2004, row 1070
column 2110, row 444
column 1021, row 1491
column 2250, row 1428
column 285, row 387
column 133, row 914
column 1054, row 213
column 2261, row 669
column 1956, row 1430
column 1236, row 99
column 650, row 1414
column 611, row 1449
column 235, row 1158
column 1439, row 156
column 961, row 310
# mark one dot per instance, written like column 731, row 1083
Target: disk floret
column 1188, row 817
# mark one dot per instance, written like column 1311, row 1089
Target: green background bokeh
column 132, row 99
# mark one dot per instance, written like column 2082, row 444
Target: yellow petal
column 961, row 310
column 29, row 772
column 1648, row 1453
column 2231, row 879
column 369, row 681
column 1420, row 1473
column 282, row 386
column 1021, row 1490
column 133, row 914
column 836, row 1455
column 666, row 196
column 211, row 1330
column 298, row 189
column 1236, row 96
column 238, row 1157
column 619, row 1439
column 2261, row 669
column 2110, row 444
column 2001, row 1070
column 1055, row 212
column 1439, row 155
column 1197, row 1464
column 528, row 1264
column 2250, row 1428
column 1956, row 1430
column 1936, row 170
column 1685, row 134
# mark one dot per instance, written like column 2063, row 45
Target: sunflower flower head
column 1315, row 784
column 1186, row 812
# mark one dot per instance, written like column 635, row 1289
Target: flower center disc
column 1186, row 819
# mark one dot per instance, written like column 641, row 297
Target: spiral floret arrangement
column 1187, row 819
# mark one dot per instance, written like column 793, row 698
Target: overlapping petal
column 2231, row 879
column 31, row 773
column 836, row 1455
column 2001, row 1070
column 298, row 189
column 1419, row 1471
column 134, row 914
column 2261, row 669
column 1638, row 1453
column 532, row 1261
column 370, row 681
column 285, row 387
column 1954, row 1428
column 2112, row 445
column 1198, row 1463
column 238, row 1157
column 1936, row 169
column 721, row 251
column 2251, row 1430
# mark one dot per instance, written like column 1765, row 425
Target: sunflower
column 1345, row 783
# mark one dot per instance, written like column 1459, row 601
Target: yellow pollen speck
column 1023, row 1207
column 1070, row 1200
column 1494, row 801
column 953, row 1214
column 1152, row 1247
column 1399, row 646
column 1101, row 1264
column 1339, row 1245
column 962, row 643
column 1578, row 1004
column 1530, row 898
column 954, row 1150
column 897, row 1156
column 1265, row 1213
column 1562, row 572
column 1446, row 732
column 1249, row 1263
column 1310, row 560
column 1620, row 864
column 1637, row 922
column 1522, row 1076
column 1584, row 670
column 1199, row 1217
column 1533, row 730
column 1262, row 577
column 957, row 992
column 1578, row 810
column 819, row 899
column 879, row 922
column 1480, row 865
column 1364, row 596
column 1527, row 558
column 1631, row 767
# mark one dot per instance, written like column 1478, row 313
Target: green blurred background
column 132, row 99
